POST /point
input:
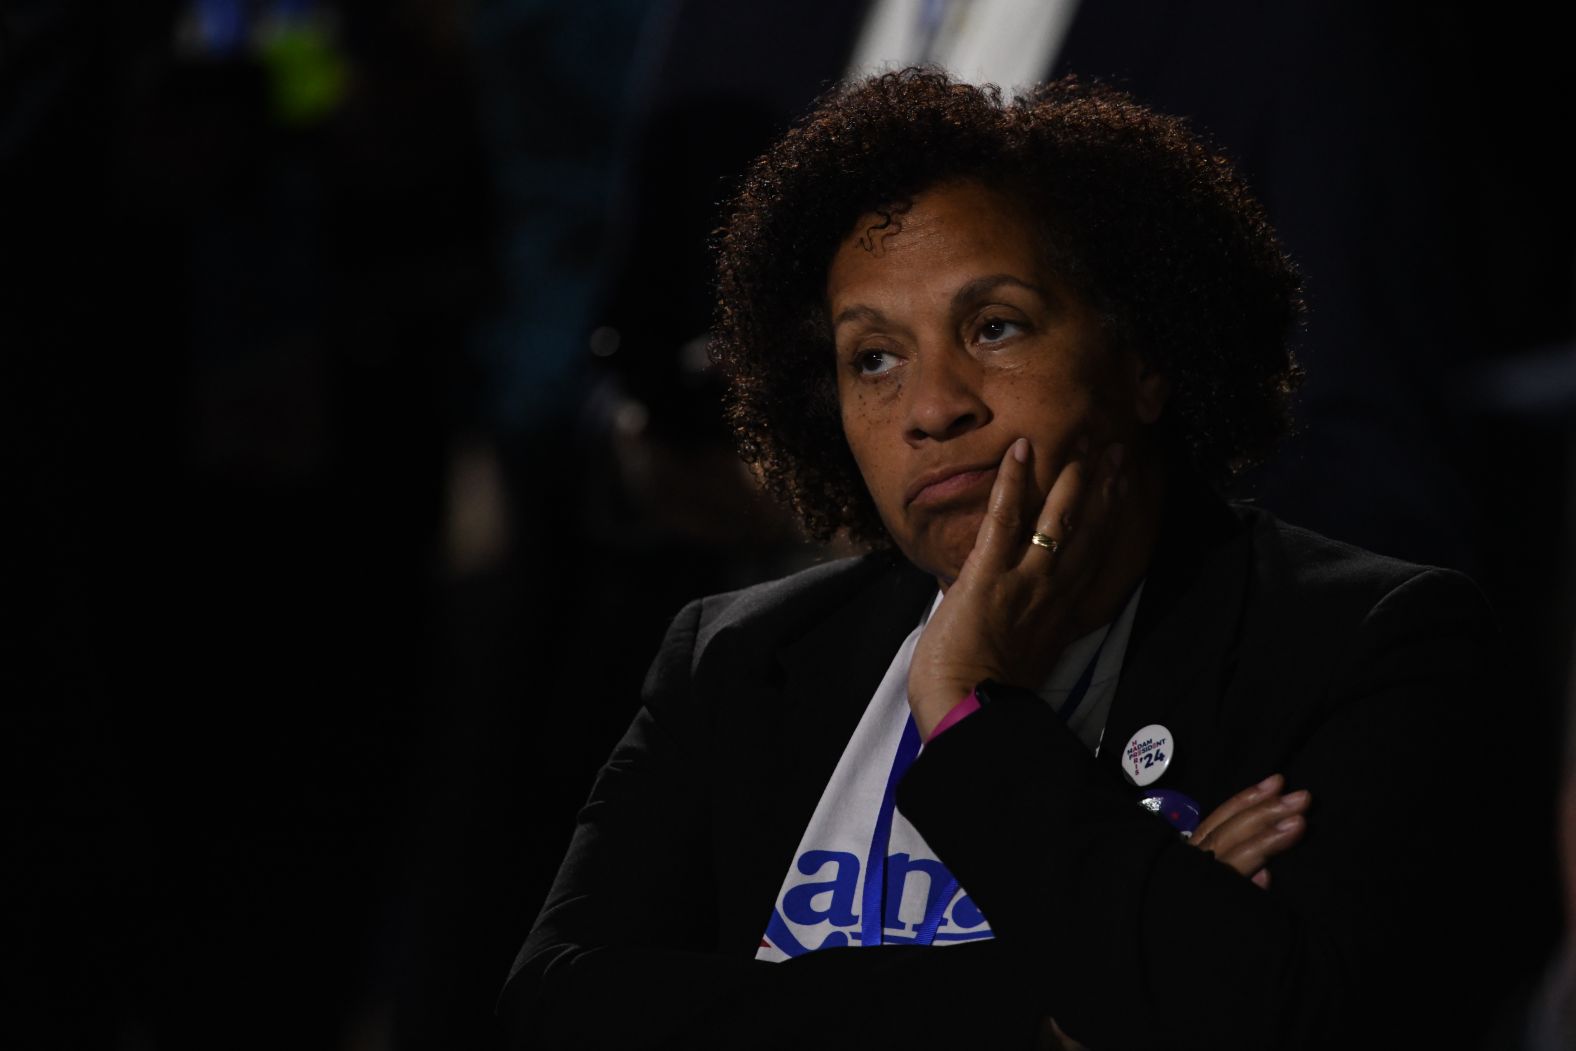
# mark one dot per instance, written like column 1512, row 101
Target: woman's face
column 953, row 340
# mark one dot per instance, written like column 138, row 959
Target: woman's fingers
column 1261, row 824
column 996, row 545
column 1072, row 518
column 1252, row 853
column 1234, row 806
column 1065, row 526
column 1056, row 519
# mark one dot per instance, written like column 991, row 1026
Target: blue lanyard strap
column 872, row 901
column 1085, row 680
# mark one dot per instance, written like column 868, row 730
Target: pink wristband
column 960, row 711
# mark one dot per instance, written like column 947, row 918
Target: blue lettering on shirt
column 898, row 868
column 837, row 907
column 832, row 896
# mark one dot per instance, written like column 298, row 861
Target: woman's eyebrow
column 858, row 313
column 966, row 294
column 984, row 286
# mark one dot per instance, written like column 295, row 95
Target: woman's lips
column 953, row 488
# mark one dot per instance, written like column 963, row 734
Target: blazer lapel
column 832, row 673
column 829, row 675
column 1183, row 651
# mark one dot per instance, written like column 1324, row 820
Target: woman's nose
column 944, row 398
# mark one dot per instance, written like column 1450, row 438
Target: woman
column 1015, row 347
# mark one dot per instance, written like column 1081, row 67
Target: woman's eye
column 996, row 329
column 873, row 362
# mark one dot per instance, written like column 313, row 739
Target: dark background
column 358, row 444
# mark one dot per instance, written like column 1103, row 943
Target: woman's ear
column 1150, row 391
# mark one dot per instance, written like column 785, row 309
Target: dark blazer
column 1262, row 647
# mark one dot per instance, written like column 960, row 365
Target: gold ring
column 1050, row 543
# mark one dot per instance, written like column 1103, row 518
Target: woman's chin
column 944, row 550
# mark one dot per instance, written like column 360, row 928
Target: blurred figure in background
column 245, row 245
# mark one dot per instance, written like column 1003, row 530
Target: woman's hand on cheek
column 1015, row 604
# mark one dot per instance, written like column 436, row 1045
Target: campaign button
column 1147, row 754
column 1179, row 810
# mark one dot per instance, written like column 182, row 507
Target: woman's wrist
column 960, row 711
column 932, row 702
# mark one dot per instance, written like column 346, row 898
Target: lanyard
column 872, row 902
column 1085, row 680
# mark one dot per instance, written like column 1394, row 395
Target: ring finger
column 1059, row 527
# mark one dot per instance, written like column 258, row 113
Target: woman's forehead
column 951, row 234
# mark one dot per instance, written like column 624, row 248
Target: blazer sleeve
column 1141, row 940
column 624, row 952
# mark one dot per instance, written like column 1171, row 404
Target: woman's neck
column 1128, row 558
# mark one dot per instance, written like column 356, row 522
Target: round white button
column 1147, row 754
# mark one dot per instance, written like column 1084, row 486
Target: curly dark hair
column 1139, row 216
